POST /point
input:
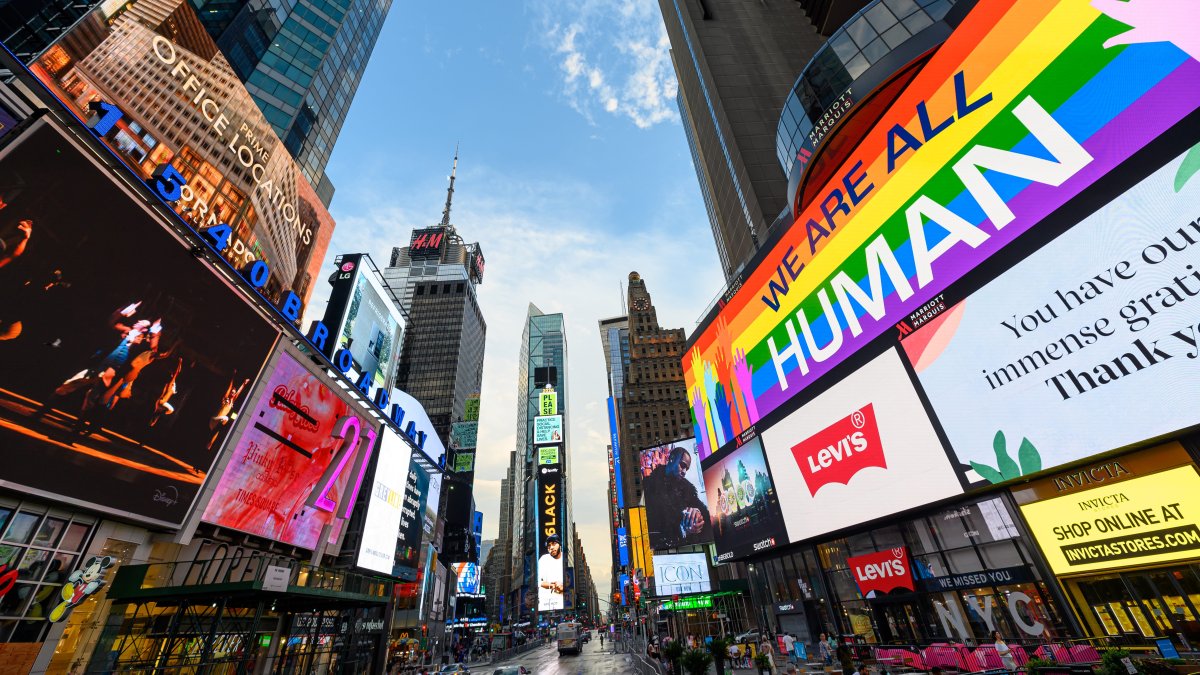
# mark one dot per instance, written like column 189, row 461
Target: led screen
column 294, row 446
column 1024, row 106
column 547, row 429
column 676, row 506
column 364, row 319
column 184, row 106
column 1087, row 345
column 866, row 435
column 681, row 574
column 746, row 517
column 412, row 520
column 551, row 563
column 467, row 574
column 1140, row 521
column 386, row 504
column 124, row 358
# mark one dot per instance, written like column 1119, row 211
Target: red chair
column 988, row 657
column 1083, row 654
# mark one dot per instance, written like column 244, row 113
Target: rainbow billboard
column 1025, row 105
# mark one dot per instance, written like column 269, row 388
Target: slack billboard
column 1027, row 104
column 861, row 450
column 125, row 359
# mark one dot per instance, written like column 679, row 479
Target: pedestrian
column 1005, row 653
column 733, row 654
column 791, row 669
column 860, row 669
column 769, row 651
column 788, row 643
column 824, row 650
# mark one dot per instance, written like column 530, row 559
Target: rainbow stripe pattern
column 1106, row 83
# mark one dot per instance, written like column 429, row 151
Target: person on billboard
column 682, row 517
column 225, row 412
column 550, row 569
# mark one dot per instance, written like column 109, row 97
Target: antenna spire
column 450, row 190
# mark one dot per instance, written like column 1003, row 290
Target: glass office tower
column 302, row 61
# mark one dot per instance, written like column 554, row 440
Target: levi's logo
column 841, row 450
column 882, row 571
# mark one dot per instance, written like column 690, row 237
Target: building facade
column 735, row 63
column 302, row 62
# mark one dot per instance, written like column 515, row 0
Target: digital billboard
column 386, row 504
column 866, row 435
column 364, row 319
column 882, row 571
column 551, row 563
column 746, row 517
column 1026, row 373
column 125, row 359
column 547, row 429
column 1140, row 521
column 467, row 574
column 185, row 108
column 433, row 501
column 412, row 521
column 297, row 462
column 681, row 574
column 1024, row 106
column 464, row 435
column 676, row 505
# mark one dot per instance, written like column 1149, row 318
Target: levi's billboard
column 1024, row 106
column 862, row 450
column 882, row 571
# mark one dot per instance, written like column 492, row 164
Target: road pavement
column 593, row 660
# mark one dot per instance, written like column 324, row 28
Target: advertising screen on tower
column 426, row 243
column 1025, row 374
column 298, row 460
column 681, row 574
column 866, row 435
column 547, row 429
column 412, row 520
column 676, row 505
column 1027, row 104
column 124, row 357
column 746, row 517
column 363, row 318
column 551, row 563
column 185, row 109
column 386, row 504
column 467, row 574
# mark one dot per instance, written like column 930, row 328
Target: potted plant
column 696, row 661
column 1111, row 662
column 672, row 651
column 719, row 648
column 1035, row 664
column 763, row 663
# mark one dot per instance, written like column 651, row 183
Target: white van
column 568, row 638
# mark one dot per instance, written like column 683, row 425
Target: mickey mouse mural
column 82, row 583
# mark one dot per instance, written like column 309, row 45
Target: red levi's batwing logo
column 882, row 571
column 841, row 450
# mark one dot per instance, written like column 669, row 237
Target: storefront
column 952, row 575
column 1122, row 535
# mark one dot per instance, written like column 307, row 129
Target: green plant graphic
column 1006, row 468
column 1188, row 168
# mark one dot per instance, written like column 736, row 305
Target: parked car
column 455, row 669
column 748, row 636
column 512, row 670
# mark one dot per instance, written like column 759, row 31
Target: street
column 594, row 660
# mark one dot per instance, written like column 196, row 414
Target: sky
column 573, row 171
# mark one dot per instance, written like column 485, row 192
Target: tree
column 696, row 661
column 720, row 651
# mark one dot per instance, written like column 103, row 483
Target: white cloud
column 541, row 247
column 620, row 48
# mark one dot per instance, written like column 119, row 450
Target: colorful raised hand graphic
column 743, row 378
column 710, row 390
column 1173, row 21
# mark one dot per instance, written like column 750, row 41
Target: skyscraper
column 434, row 279
column 302, row 61
column 542, row 364
column 736, row 62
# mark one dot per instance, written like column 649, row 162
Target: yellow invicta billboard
column 1136, row 522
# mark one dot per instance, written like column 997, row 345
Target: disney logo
column 168, row 496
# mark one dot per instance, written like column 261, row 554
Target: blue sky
column 574, row 171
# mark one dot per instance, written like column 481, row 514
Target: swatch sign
column 836, row 453
column 882, row 571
